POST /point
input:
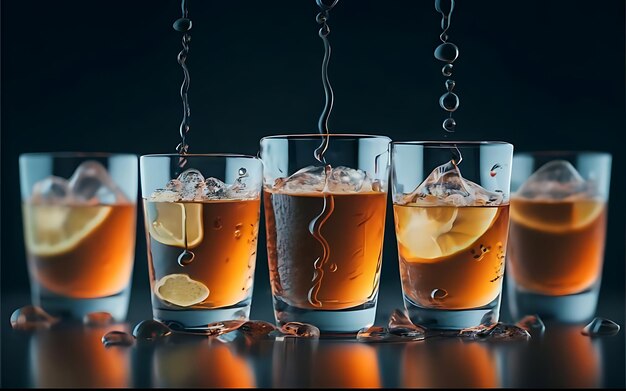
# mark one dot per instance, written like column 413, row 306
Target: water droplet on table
column 601, row 327
column 495, row 332
column 117, row 338
column 151, row 330
column 257, row 329
column 98, row 319
column 300, row 330
column 31, row 317
column 533, row 324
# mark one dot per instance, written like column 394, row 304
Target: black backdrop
column 102, row 76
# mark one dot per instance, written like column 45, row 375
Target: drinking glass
column 450, row 202
column 202, row 221
column 325, row 225
column 79, row 213
column 558, row 230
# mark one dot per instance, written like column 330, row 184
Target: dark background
column 102, row 76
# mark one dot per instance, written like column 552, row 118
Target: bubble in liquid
column 217, row 224
column 117, row 338
column 447, row 52
column 237, row 234
column 150, row 330
column 449, row 101
column 333, row 267
column 242, row 172
column 185, row 258
column 98, row 319
column 300, row 330
column 438, row 294
column 449, row 124
column 447, row 70
column 601, row 327
column 450, row 84
column 182, row 25
column 533, row 324
column 31, row 317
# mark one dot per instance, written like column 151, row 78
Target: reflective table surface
column 72, row 355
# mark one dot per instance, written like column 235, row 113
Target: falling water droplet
column 447, row 52
column 151, row 330
column 450, row 84
column 449, row 101
column 31, row 317
column 182, row 25
column 449, row 124
column 117, row 338
column 98, row 319
column 333, row 267
column 438, row 294
column 447, row 70
column 601, row 327
column 185, row 258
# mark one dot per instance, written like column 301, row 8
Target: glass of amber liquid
column 325, row 218
column 558, row 229
column 202, row 221
column 79, row 214
column 451, row 210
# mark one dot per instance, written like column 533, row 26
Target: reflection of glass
column 202, row 223
column 449, row 363
column 558, row 229
column 196, row 364
column 79, row 230
column 73, row 356
column 325, row 226
column 330, row 364
column 451, row 218
column 562, row 359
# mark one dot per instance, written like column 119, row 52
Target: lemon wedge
column 168, row 223
column 181, row 290
column 429, row 233
column 56, row 229
column 555, row 216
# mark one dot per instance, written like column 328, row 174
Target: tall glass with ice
column 451, row 210
column 558, row 229
column 79, row 213
column 202, row 221
column 325, row 224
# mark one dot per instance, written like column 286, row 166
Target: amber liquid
column 98, row 264
column 354, row 233
column 222, row 235
column 556, row 247
column 470, row 277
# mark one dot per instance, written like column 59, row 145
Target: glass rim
column 448, row 143
column 305, row 136
column 210, row 155
column 75, row 154
column 562, row 152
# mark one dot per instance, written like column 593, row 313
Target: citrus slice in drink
column 428, row 233
column 555, row 216
column 175, row 223
column 181, row 290
column 56, row 229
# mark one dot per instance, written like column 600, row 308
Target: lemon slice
column 168, row 222
column 429, row 233
column 57, row 229
column 181, row 290
column 555, row 216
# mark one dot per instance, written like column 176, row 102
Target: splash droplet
column 117, row 338
column 30, row 318
column 98, row 319
column 185, row 258
column 601, row 327
column 150, row 330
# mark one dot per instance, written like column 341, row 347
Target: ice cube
column 446, row 186
column 307, row 179
column 193, row 185
column 52, row 189
column 214, row 188
column 557, row 179
column 346, row 180
column 92, row 184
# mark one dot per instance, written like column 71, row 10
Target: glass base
column 66, row 307
column 442, row 319
column 576, row 308
column 199, row 319
column 348, row 321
